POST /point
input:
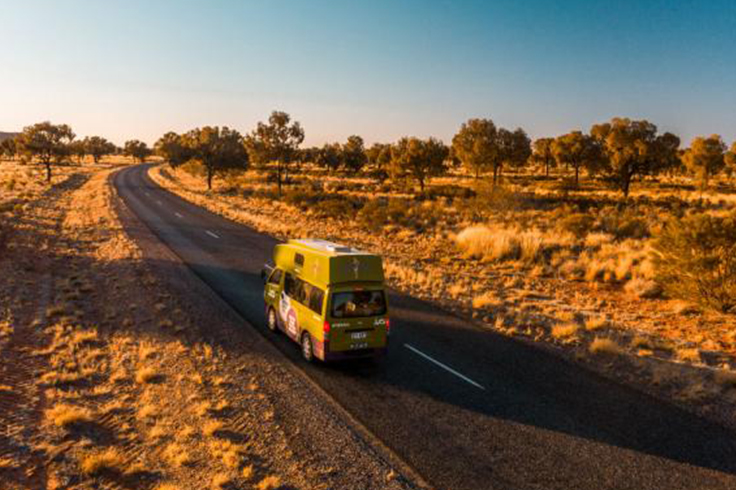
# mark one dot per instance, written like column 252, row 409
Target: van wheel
column 271, row 320
column 307, row 352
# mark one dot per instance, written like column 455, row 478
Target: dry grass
column 269, row 483
column 222, row 480
column 211, row 427
column 64, row 415
column 485, row 300
column 228, row 452
column 96, row 462
column 601, row 345
column 146, row 375
column 689, row 355
column 565, row 330
column 177, row 455
column 595, row 323
column 499, row 244
column 247, row 472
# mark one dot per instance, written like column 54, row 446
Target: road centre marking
column 178, row 215
column 211, row 234
column 443, row 366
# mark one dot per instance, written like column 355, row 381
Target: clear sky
column 380, row 69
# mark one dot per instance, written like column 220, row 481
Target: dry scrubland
column 106, row 381
column 567, row 268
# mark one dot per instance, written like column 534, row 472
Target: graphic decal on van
column 288, row 315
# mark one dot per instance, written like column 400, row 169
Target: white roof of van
column 327, row 246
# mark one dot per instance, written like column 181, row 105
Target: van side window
column 275, row 277
column 299, row 259
column 316, row 298
column 290, row 285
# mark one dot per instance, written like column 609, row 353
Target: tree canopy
column 543, row 153
column 577, row 150
column 171, row 148
column 705, row 157
column 476, row 146
column 137, row 150
column 417, row 158
column 217, row 149
column 634, row 148
column 46, row 143
column 276, row 141
column 353, row 154
column 98, row 147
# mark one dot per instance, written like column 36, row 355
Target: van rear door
column 357, row 319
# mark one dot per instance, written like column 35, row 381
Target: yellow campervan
column 328, row 297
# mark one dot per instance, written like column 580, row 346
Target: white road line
column 160, row 203
column 211, row 234
column 443, row 366
column 178, row 215
column 148, row 194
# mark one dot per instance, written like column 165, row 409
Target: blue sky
column 381, row 69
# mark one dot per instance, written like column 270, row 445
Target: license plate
column 363, row 345
column 359, row 335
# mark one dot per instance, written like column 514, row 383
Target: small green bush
column 695, row 260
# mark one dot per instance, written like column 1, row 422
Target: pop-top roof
column 327, row 246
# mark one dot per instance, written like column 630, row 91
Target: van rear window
column 358, row 304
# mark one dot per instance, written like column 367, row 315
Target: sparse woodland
column 615, row 247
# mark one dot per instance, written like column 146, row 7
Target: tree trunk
column 48, row 171
column 546, row 168
column 577, row 175
column 278, row 178
column 209, row 178
column 626, row 184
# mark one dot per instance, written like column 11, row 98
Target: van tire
column 306, row 343
column 272, row 321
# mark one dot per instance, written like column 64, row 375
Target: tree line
column 55, row 144
column 618, row 151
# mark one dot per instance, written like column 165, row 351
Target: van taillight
column 326, row 329
column 388, row 326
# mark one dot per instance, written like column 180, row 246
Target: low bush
column 579, row 224
column 695, row 260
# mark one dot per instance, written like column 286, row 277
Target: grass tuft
column 269, row 483
column 63, row 415
column 602, row 345
column 106, row 460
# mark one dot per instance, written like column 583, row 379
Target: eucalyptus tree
column 276, row 141
column 706, row 157
column 46, row 143
column 419, row 159
column 218, row 150
column 634, row 148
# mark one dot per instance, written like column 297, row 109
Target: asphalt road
column 466, row 408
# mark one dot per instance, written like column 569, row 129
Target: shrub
column 579, row 224
column 334, row 208
column 695, row 260
column 602, row 345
